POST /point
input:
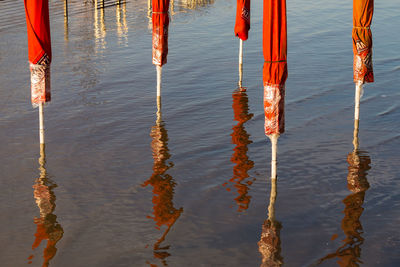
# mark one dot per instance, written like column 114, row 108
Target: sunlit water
column 121, row 184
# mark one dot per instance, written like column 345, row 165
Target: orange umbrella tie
column 359, row 27
column 165, row 12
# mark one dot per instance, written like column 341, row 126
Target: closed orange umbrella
column 242, row 27
column 242, row 24
column 160, row 20
column 362, row 47
column 39, row 48
column 274, row 71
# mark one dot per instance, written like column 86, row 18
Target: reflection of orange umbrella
column 165, row 214
column 39, row 48
column 270, row 241
column 47, row 227
column 362, row 47
column 160, row 20
column 242, row 27
column 241, row 139
column 274, row 71
column 350, row 252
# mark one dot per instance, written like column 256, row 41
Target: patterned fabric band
column 40, row 81
column 274, row 104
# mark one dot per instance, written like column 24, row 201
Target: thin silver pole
column 41, row 123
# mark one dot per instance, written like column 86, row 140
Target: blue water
column 102, row 136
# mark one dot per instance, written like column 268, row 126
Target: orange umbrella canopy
column 38, row 26
column 160, row 20
column 362, row 40
column 39, row 48
column 242, row 25
column 275, row 65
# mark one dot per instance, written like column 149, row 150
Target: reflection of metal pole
column 66, row 20
column 41, row 123
column 270, row 243
column 124, row 18
column 66, row 28
column 149, row 11
column 158, row 122
column 103, row 26
column 274, row 150
column 355, row 135
column 96, row 21
column 271, row 207
column 148, row 8
column 118, row 15
column 66, row 8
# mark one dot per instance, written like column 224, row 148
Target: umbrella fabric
column 275, row 65
column 362, row 40
column 39, row 48
column 160, row 20
column 242, row 24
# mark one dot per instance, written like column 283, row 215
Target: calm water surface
column 121, row 184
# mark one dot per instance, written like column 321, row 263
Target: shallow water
column 190, row 186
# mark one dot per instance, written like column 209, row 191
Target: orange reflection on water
column 164, row 212
column 47, row 227
column 359, row 163
column 241, row 139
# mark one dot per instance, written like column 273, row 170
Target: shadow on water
column 47, row 227
column 241, row 139
column 164, row 212
column 270, row 241
column 349, row 253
